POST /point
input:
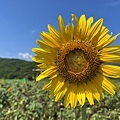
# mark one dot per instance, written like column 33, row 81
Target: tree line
column 16, row 69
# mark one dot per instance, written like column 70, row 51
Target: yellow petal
column 62, row 91
column 40, row 60
column 50, row 40
column 88, row 93
column 94, row 90
column 56, row 88
column 107, row 40
column 54, row 33
column 100, row 35
column 69, row 32
column 103, row 33
column 113, row 58
column 46, row 47
column 73, row 95
column 111, row 70
column 41, row 52
column 54, row 75
column 47, row 73
column 61, row 24
column 67, row 98
column 74, row 18
column 95, row 30
column 37, row 59
column 81, row 94
column 106, row 84
column 75, row 32
column 111, row 49
column 47, row 86
column 76, row 25
column 45, row 53
column 51, row 85
column 98, row 86
column 62, row 29
column 110, row 83
column 82, row 26
column 43, row 66
column 88, row 26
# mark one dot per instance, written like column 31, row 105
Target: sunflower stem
column 83, row 110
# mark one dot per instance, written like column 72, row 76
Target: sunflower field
column 25, row 100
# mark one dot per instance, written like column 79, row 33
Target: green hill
column 16, row 68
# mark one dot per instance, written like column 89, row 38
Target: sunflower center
column 75, row 61
column 78, row 61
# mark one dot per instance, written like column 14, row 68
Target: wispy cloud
column 8, row 53
column 113, row 3
column 25, row 55
column 33, row 31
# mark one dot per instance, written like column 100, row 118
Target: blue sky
column 21, row 21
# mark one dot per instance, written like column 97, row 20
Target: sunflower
column 78, row 60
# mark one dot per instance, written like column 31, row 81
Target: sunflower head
column 78, row 60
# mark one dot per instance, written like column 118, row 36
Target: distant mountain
column 16, row 69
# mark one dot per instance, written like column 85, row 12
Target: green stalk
column 83, row 110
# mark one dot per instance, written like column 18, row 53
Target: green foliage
column 15, row 68
column 26, row 101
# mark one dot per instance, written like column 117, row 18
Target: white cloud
column 113, row 3
column 25, row 55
